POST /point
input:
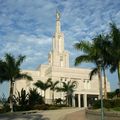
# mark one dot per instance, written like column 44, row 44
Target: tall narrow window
column 61, row 61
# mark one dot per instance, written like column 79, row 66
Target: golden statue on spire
column 57, row 15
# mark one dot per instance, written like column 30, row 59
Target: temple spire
column 58, row 56
column 58, row 26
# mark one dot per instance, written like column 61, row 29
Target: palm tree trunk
column 11, row 95
column 105, row 87
column 99, row 78
column 53, row 97
column 118, row 70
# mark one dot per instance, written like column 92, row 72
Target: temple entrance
column 91, row 99
column 76, row 100
column 81, row 100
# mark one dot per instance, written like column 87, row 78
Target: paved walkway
column 62, row 114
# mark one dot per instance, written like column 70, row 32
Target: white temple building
column 58, row 69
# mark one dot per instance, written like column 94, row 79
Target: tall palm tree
column 90, row 54
column 97, row 53
column 10, row 71
column 43, row 86
column 68, row 88
column 115, row 49
column 53, row 87
column 102, row 44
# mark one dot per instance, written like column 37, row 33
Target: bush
column 22, row 108
column 107, row 103
column 96, row 104
column 34, row 97
column 41, row 107
column 5, row 108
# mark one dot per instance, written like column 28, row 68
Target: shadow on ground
column 23, row 117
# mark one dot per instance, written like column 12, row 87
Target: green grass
column 116, row 109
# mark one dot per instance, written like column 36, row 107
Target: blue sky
column 27, row 27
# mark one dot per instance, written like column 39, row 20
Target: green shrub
column 34, row 97
column 116, row 108
column 22, row 108
column 107, row 103
column 41, row 107
column 117, row 103
column 96, row 104
column 6, row 108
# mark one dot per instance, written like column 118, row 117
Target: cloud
column 27, row 27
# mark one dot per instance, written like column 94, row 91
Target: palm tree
column 95, row 52
column 34, row 97
column 115, row 49
column 22, row 98
column 10, row 71
column 53, row 87
column 43, row 86
column 102, row 44
column 68, row 88
column 91, row 54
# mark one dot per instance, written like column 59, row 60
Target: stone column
column 79, row 100
column 85, row 100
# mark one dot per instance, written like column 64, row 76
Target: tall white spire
column 58, row 56
column 58, row 39
column 58, row 26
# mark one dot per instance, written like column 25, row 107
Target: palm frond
column 93, row 72
column 20, row 60
column 84, row 46
column 82, row 58
column 24, row 75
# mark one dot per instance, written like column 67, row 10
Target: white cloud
column 27, row 26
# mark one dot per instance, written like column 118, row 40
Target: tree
column 22, row 97
column 53, row 87
column 115, row 49
column 102, row 45
column 10, row 71
column 34, row 97
column 95, row 52
column 43, row 86
column 90, row 54
column 68, row 88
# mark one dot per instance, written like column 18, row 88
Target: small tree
column 10, row 71
column 43, row 86
column 68, row 88
column 22, row 97
column 34, row 97
column 53, row 87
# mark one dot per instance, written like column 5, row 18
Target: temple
column 58, row 69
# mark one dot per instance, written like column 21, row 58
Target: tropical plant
column 117, row 92
column 10, row 71
column 43, row 86
column 95, row 52
column 102, row 45
column 68, row 88
column 90, row 54
column 53, row 87
column 21, row 98
column 34, row 97
column 115, row 49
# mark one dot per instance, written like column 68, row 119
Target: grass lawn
column 116, row 109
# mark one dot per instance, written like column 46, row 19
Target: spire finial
column 57, row 15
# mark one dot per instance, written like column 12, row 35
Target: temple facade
column 58, row 69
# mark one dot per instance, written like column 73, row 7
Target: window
column 87, row 84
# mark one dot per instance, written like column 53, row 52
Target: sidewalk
column 62, row 114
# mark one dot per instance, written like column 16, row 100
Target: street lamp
column 101, row 91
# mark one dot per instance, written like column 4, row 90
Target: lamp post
column 101, row 91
